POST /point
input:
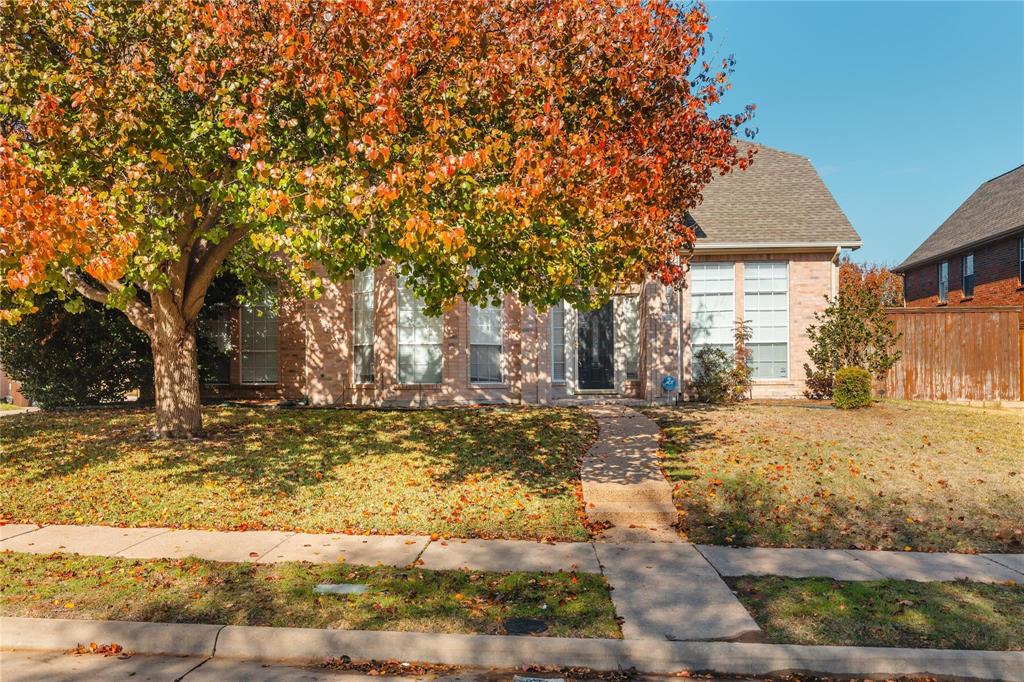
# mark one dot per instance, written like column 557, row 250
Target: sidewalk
column 496, row 555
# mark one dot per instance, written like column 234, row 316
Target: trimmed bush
column 852, row 388
column 720, row 379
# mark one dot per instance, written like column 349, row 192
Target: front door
column 596, row 348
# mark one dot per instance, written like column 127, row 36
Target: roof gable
column 780, row 199
column 993, row 210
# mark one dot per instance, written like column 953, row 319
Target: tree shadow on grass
column 281, row 595
column 745, row 509
column 949, row 615
column 282, row 451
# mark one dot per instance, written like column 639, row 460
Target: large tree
column 550, row 147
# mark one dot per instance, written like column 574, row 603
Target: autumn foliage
column 854, row 330
column 553, row 147
column 883, row 283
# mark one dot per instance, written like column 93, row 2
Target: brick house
column 976, row 257
column 10, row 391
column 768, row 245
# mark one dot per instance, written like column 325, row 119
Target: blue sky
column 903, row 107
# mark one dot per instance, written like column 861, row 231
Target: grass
column 946, row 615
column 894, row 476
column 280, row 595
column 8, row 406
column 490, row 472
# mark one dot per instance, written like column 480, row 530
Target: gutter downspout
column 835, row 272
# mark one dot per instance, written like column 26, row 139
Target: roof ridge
column 1012, row 170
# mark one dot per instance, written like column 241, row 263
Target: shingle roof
column 996, row 208
column 780, row 199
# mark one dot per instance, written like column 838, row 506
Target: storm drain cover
column 340, row 588
column 524, row 626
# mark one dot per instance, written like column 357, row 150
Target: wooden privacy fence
column 957, row 354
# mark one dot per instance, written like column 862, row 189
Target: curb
column 301, row 645
column 53, row 634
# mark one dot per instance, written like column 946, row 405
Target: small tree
column 879, row 279
column 724, row 380
column 853, row 331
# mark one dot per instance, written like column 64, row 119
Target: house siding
column 811, row 283
column 996, row 276
column 316, row 340
column 291, row 356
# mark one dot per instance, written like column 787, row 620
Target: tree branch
column 205, row 269
column 138, row 314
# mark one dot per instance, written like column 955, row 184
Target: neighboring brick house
column 976, row 257
column 769, row 240
column 10, row 391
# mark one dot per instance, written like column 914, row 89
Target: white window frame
column 473, row 314
column 944, row 281
column 964, row 274
column 730, row 266
column 558, row 349
column 269, row 313
column 362, row 289
column 630, row 336
column 417, row 331
column 748, row 297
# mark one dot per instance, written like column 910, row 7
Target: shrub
column 95, row 355
column 720, row 379
column 852, row 388
column 83, row 358
column 853, row 331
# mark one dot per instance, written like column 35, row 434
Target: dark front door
column 597, row 348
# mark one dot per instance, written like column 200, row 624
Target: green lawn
column 896, row 475
column 947, row 615
column 8, row 406
column 488, row 472
column 280, row 595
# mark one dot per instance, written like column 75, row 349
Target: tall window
column 766, row 307
column 558, row 342
column 712, row 307
column 419, row 340
column 485, row 344
column 968, row 275
column 629, row 317
column 943, row 281
column 259, row 343
column 362, row 322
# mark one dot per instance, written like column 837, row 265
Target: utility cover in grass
column 340, row 588
column 524, row 626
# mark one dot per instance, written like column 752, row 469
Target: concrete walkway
column 622, row 480
column 502, row 555
column 841, row 564
column 662, row 588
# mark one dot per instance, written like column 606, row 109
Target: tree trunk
column 176, row 380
